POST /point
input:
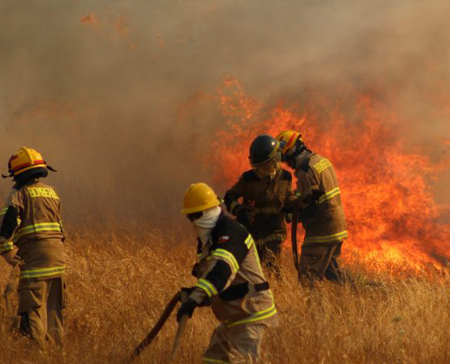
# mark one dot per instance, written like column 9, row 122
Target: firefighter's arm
column 306, row 195
column 223, row 265
column 243, row 214
column 9, row 221
column 232, row 196
column 8, row 227
column 290, row 199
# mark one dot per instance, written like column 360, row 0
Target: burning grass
column 119, row 283
column 387, row 189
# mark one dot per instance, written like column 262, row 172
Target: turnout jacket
column 231, row 277
column 266, row 199
column 31, row 220
column 325, row 223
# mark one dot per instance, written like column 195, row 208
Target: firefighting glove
column 187, row 290
column 196, row 272
column 186, row 308
column 244, row 216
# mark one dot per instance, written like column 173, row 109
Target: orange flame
column 390, row 209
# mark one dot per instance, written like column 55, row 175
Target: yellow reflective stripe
column 46, row 226
column 212, row 361
column 261, row 315
column 6, row 246
column 329, row 195
column 228, row 257
column 3, row 211
column 207, row 287
column 249, row 241
column 327, row 238
column 322, row 165
column 42, row 272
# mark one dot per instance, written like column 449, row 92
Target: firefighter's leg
column 55, row 305
column 261, row 248
column 273, row 251
column 9, row 295
column 332, row 271
column 33, row 309
column 245, row 343
column 218, row 348
column 269, row 253
column 311, row 261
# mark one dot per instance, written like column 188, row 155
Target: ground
column 119, row 283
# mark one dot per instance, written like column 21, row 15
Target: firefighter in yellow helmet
column 31, row 221
column 260, row 197
column 324, row 220
column 230, row 279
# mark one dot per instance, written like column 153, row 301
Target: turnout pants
column 269, row 254
column 40, row 309
column 319, row 260
column 235, row 345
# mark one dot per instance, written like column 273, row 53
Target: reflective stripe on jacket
column 229, row 270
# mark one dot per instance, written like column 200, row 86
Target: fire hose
column 177, row 297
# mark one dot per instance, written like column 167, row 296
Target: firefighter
column 230, row 279
column 32, row 222
column 324, row 220
column 266, row 192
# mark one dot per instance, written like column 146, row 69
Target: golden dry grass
column 119, row 282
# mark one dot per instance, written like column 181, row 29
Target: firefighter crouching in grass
column 324, row 221
column 32, row 221
column 230, row 279
column 265, row 191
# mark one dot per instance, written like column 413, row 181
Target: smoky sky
column 97, row 86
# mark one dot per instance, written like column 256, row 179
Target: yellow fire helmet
column 24, row 160
column 199, row 197
column 290, row 138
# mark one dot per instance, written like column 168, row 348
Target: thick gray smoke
column 99, row 86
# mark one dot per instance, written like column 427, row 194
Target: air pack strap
column 240, row 290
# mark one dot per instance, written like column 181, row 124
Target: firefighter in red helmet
column 31, row 221
column 324, row 220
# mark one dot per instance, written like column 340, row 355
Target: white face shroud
column 204, row 225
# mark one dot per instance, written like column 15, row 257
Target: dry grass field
column 119, row 282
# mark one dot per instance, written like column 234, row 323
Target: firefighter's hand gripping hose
column 187, row 308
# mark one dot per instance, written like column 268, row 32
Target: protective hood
column 205, row 224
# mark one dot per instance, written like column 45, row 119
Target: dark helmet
column 263, row 149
